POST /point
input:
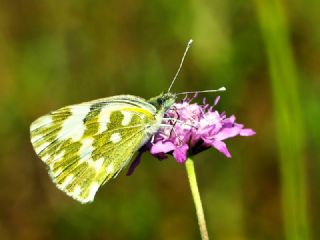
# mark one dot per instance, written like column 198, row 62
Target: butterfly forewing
column 85, row 145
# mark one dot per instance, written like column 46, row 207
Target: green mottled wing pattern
column 85, row 145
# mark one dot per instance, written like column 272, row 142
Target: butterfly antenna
column 222, row 89
column 181, row 63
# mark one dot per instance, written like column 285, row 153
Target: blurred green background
column 266, row 53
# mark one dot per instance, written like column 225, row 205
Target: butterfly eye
column 159, row 101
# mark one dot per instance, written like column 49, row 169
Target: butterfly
column 87, row 144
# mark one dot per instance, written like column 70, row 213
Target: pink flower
column 194, row 128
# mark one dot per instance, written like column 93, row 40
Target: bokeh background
column 266, row 53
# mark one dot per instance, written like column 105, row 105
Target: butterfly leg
column 152, row 139
column 173, row 130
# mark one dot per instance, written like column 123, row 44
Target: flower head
column 191, row 128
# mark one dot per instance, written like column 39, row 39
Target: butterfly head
column 163, row 101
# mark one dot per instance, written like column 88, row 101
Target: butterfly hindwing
column 85, row 145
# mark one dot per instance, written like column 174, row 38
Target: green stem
column 196, row 198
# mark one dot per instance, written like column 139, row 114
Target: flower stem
column 196, row 198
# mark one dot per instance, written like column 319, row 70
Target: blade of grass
column 288, row 117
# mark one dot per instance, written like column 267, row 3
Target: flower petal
column 135, row 163
column 227, row 133
column 221, row 147
column 162, row 147
column 216, row 101
column 247, row 132
column 180, row 153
